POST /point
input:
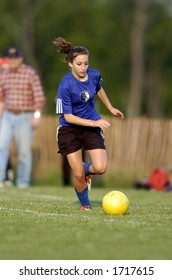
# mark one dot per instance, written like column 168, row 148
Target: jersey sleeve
column 59, row 108
column 99, row 80
column 63, row 101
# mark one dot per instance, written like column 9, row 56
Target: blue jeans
column 17, row 127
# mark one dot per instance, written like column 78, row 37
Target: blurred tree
column 158, row 56
column 137, row 39
column 129, row 42
column 150, row 47
column 19, row 24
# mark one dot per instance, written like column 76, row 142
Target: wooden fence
column 137, row 145
column 134, row 146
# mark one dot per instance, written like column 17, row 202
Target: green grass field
column 45, row 223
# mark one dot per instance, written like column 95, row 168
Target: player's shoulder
column 66, row 80
column 94, row 75
column 66, row 77
column 93, row 72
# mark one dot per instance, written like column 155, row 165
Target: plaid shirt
column 22, row 90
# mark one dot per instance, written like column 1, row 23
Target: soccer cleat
column 88, row 182
column 85, row 208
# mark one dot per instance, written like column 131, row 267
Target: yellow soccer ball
column 115, row 203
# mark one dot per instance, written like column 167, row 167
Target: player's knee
column 101, row 169
column 79, row 181
column 79, row 176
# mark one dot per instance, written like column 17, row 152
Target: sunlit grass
column 46, row 223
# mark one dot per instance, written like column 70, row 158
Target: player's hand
column 117, row 113
column 102, row 123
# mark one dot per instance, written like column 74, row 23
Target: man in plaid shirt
column 21, row 102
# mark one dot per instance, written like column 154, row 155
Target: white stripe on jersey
column 59, row 108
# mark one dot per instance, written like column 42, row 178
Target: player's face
column 79, row 66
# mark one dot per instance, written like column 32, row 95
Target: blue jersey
column 77, row 98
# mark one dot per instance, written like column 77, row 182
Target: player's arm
column 102, row 95
column 73, row 119
column 70, row 118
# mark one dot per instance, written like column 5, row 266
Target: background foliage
column 109, row 28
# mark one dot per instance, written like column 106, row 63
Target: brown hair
column 68, row 49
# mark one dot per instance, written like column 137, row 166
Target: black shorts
column 71, row 139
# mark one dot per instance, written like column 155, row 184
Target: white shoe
column 8, row 183
column 1, row 185
column 23, row 186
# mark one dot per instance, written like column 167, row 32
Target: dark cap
column 13, row 52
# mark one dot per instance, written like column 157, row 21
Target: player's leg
column 98, row 161
column 76, row 164
column 66, row 172
column 94, row 143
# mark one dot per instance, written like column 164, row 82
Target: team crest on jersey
column 85, row 96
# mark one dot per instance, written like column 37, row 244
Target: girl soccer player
column 80, row 124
